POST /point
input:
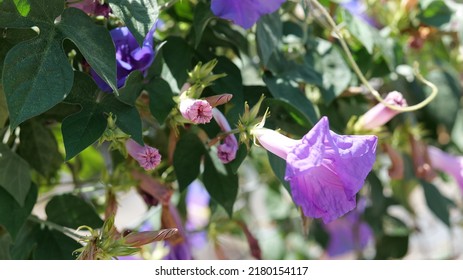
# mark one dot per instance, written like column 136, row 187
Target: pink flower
column 447, row 163
column 227, row 150
column 148, row 157
column 196, row 110
column 380, row 114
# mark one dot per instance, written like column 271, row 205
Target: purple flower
column 380, row 114
column 92, row 7
column 227, row 150
column 129, row 56
column 358, row 9
column 198, row 213
column 179, row 248
column 325, row 170
column 447, row 163
column 196, row 110
column 148, row 157
column 348, row 233
column 244, row 12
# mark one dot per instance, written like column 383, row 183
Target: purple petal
column 347, row 235
column 244, row 12
column 326, row 170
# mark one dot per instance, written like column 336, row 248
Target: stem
column 56, row 227
column 167, row 5
column 362, row 78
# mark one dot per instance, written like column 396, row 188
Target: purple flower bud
column 380, row 114
column 447, row 163
column 148, row 157
column 325, row 170
column 227, row 150
column 196, row 110
column 129, row 56
column 244, row 13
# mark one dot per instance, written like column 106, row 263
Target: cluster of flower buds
column 108, row 243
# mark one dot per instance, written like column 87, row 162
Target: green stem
column 168, row 5
column 56, row 227
column 364, row 80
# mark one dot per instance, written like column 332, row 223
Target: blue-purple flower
column 244, row 13
column 129, row 56
column 325, row 170
column 348, row 233
column 359, row 9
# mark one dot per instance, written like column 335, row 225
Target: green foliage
column 434, row 12
column 52, row 114
column 39, row 148
column 138, row 15
column 437, row 203
column 12, row 214
column 220, row 182
column 82, row 129
column 71, row 211
column 14, row 174
column 187, row 158
column 34, row 81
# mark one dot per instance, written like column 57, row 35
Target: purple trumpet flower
column 380, row 114
column 244, row 13
column 129, row 56
column 447, row 163
column 325, row 170
column 348, row 233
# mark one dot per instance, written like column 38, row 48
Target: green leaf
column 26, row 241
column 5, row 243
column 269, row 32
column 391, row 247
column 364, row 33
column 444, row 108
column 36, row 73
column 71, row 211
column 23, row 7
column 12, row 215
column 53, row 245
column 201, row 18
column 82, row 129
column 220, row 182
column 336, row 73
column 436, row 202
column 161, row 102
column 93, row 41
column 3, row 108
column 278, row 166
column 457, row 131
column 34, row 81
column 132, row 88
column 138, row 15
column 434, row 12
column 187, row 159
column 241, row 155
column 178, row 55
column 14, row 174
column 39, row 148
column 288, row 91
